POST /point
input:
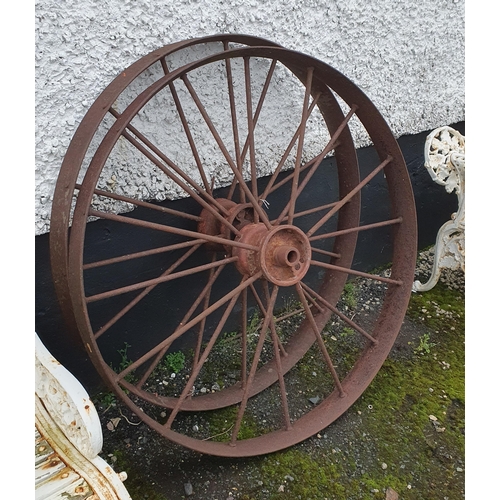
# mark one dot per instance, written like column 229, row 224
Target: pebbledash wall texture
column 408, row 57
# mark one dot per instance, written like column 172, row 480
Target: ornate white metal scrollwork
column 445, row 162
column 67, row 422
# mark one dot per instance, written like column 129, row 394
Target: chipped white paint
column 445, row 162
column 68, row 437
column 407, row 57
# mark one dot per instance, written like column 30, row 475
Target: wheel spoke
column 389, row 222
column 325, row 252
column 300, row 146
column 141, row 203
column 319, row 339
column 342, row 316
column 201, row 328
column 206, row 291
column 374, row 277
column 180, row 331
column 244, row 339
column 251, row 137
column 169, row 229
column 255, row 362
column 143, row 294
column 315, row 165
column 279, row 369
column 187, row 130
column 234, row 121
column 156, row 281
column 349, row 196
column 225, row 152
column 198, row 366
column 145, row 253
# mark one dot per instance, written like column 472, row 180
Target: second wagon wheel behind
column 263, row 259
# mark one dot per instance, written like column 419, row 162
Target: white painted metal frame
column 445, row 162
column 68, row 438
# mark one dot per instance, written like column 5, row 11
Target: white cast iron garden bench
column 445, row 162
column 68, row 438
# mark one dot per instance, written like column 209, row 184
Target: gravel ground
column 161, row 470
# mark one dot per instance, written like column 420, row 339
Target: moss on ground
column 411, row 421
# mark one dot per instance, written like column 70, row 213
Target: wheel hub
column 283, row 257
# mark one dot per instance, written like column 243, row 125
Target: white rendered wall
column 408, row 57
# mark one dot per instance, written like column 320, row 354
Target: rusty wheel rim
column 267, row 253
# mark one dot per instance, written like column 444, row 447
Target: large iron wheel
column 254, row 246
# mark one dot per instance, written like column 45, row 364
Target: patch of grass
column 221, row 425
column 174, row 361
column 346, row 332
column 105, row 399
column 124, row 359
column 124, row 362
column 350, row 295
column 425, row 345
column 294, row 474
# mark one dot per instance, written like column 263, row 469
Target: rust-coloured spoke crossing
column 270, row 187
column 255, row 362
column 272, row 325
column 349, row 196
column 203, row 198
column 198, row 366
column 141, row 203
column 300, row 145
column 203, row 296
column 240, row 158
column 157, row 281
column 170, row 229
column 341, row 315
column 184, row 328
column 253, row 200
column 319, row 339
column 143, row 294
column 187, row 130
column 312, row 169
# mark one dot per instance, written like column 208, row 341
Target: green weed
column 424, row 347
column 174, row 361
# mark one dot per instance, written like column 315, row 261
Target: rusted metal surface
column 268, row 250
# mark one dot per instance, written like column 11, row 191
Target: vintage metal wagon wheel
column 262, row 256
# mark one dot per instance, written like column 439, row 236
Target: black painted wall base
column 434, row 207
